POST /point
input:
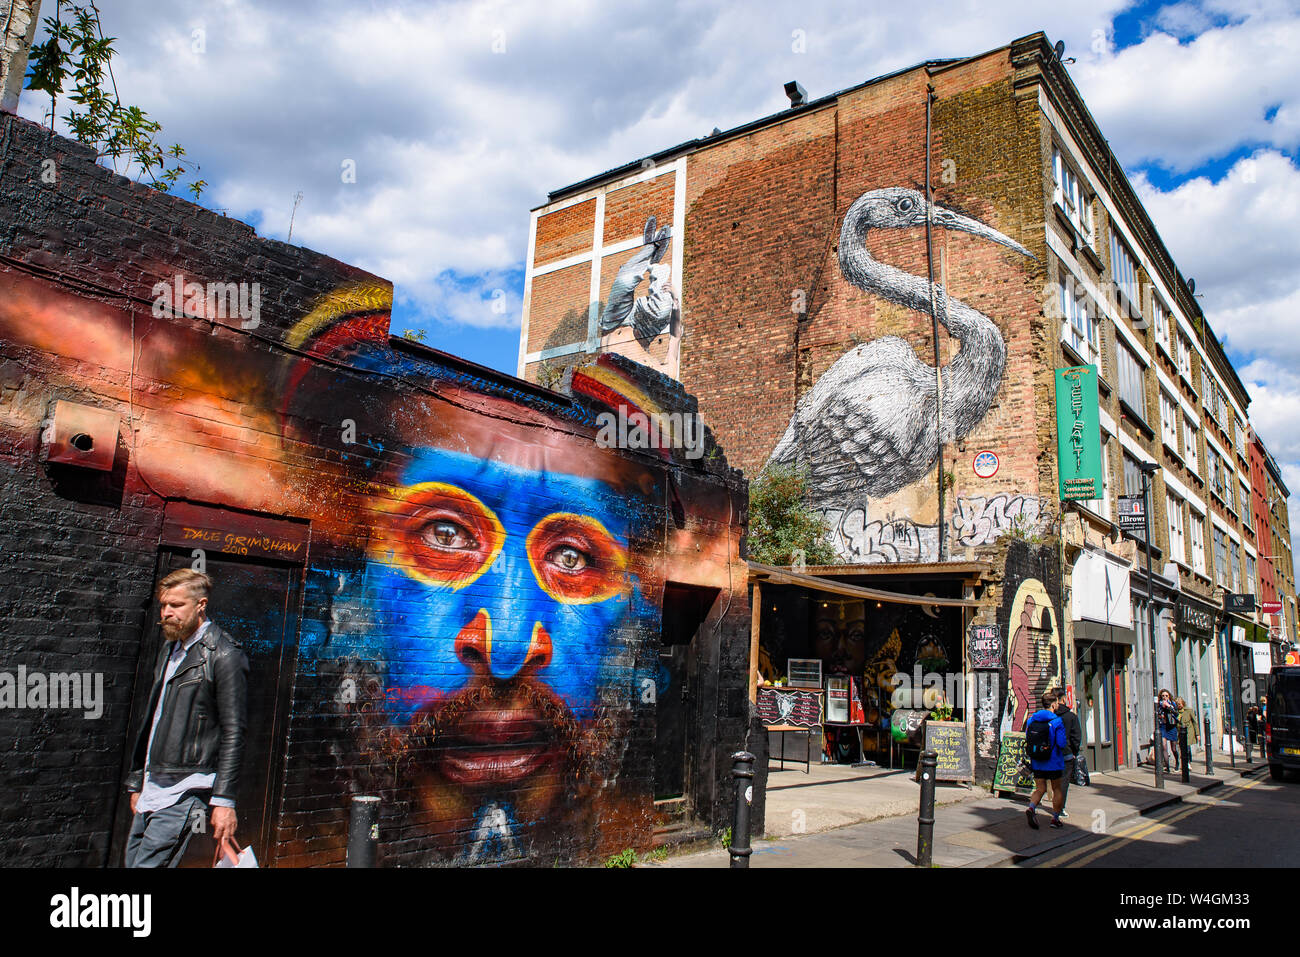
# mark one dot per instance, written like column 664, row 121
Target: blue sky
column 459, row 117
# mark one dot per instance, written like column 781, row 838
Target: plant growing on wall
column 780, row 520
column 76, row 48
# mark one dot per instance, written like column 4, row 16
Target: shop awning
column 776, row 575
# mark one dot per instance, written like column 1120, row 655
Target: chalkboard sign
column 1013, row 771
column 947, row 739
column 796, row 707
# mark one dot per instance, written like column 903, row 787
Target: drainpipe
column 934, row 323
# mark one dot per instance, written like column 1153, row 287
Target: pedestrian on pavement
column 1167, row 726
column 1074, row 737
column 190, row 744
column 1046, row 744
column 1186, row 726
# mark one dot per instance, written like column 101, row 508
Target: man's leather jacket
column 204, row 716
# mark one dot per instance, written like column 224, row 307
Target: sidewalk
column 974, row 830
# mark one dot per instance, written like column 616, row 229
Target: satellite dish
column 1191, row 286
column 1059, row 49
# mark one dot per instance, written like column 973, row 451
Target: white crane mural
column 869, row 425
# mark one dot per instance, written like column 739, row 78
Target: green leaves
column 125, row 135
column 780, row 520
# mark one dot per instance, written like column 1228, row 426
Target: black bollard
column 1209, row 757
column 742, row 770
column 1185, row 752
column 1232, row 748
column 925, row 820
column 363, row 831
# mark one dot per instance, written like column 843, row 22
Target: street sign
column 1078, row 433
column 1271, row 607
column 1238, row 604
column 1132, row 514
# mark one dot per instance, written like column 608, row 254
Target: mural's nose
column 496, row 655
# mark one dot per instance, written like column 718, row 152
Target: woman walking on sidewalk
column 1186, row 727
column 1167, row 713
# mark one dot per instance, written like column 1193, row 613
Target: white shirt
column 164, row 790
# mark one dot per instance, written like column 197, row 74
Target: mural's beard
column 514, row 744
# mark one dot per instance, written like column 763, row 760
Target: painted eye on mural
column 905, row 204
column 575, row 559
column 447, row 534
column 441, row 535
column 568, row 558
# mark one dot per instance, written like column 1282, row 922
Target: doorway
column 684, row 610
column 256, row 602
column 1099, row 680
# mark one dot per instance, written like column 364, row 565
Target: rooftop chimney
column 798, row 95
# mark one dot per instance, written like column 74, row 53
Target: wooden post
column 755, row 615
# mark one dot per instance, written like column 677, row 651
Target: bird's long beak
column 949, row 220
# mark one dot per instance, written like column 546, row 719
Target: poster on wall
column 985, row 646
column 1078, row 433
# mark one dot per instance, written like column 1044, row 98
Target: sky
column 420, row 134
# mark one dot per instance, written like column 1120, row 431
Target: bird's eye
column 445, row 534
column 568, row 558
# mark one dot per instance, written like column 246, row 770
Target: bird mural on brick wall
column 869, row 423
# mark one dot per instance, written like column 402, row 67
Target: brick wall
column 468, row 550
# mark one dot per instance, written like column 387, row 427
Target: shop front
column 874, row 662
column 1104, row 637
column 1194, row 655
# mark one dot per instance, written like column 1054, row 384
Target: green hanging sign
column 1078, row 433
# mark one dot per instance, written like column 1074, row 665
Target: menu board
column 985, row 646
column 947, row 739
column 795, row 707
column 1013, row 769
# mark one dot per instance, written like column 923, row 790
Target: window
column 1250, row 574
column 1102, row 505
column 1132, row 387
column 1177, row 543
column 1160, row 315
column 1239, row 437
column 1168, row 421
column 1080, row 329
column 1071, row 196
column 1209, row 394
column 1184, row 358
column 1197, row 528
column 1230, row 490
column 1245, row 506
column 1124, row 273
column 1189, row 444
column 1236, row 567
column 1132, row 477
column 1215, row 467
column 1221, row 574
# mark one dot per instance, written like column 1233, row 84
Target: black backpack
column 1038, row 740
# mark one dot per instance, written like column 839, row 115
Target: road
column 1254, row 822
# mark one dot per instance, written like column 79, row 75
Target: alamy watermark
column 216, row 300
column 657, row 430
column 58, row 690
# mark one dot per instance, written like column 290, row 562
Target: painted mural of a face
column 498, row 589
column 840, row 638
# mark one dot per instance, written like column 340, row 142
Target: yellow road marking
column 1142, row 829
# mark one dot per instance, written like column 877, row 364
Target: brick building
column 451, row 594
column 787, row 271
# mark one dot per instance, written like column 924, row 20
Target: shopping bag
column 1081, row 776
column 229, row 855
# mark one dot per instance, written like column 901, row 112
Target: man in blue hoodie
column 1046, row 744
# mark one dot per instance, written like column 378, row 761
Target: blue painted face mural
column 488, row 572
column 500, row 593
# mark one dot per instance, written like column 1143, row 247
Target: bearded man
column 188, row 751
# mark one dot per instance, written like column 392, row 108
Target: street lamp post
column 1157, row 745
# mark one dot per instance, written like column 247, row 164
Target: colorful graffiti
column 1033, row 653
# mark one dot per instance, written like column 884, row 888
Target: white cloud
column 1180, row 104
